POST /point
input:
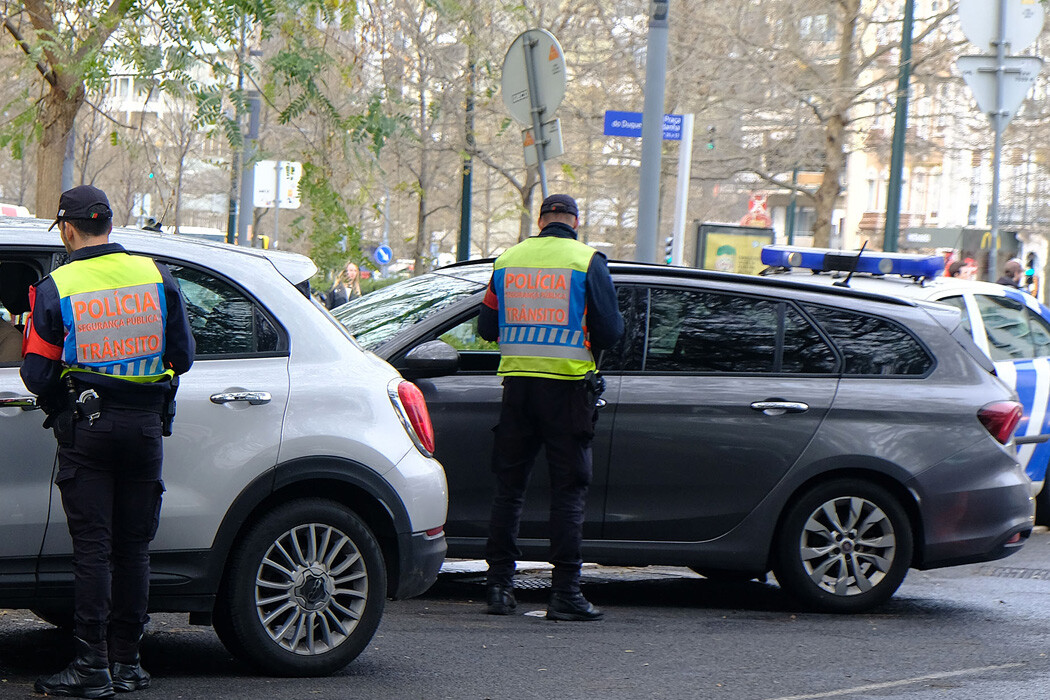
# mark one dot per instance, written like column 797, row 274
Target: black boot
column 87, row 677
column 129, row 677
column 126, row 669
column 500, row 600
column 572, row 607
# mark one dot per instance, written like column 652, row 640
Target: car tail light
column 411, row 408
column 1000, row 418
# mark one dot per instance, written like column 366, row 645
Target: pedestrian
column 347, row 286
column 107, row 339
column 1012, row 273
column 963, row 269
column 552, row 306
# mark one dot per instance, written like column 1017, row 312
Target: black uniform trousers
column 559, row 415
column 110, row 479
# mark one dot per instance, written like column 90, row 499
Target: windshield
column 379, row 316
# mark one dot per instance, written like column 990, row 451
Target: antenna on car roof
column 845, row 282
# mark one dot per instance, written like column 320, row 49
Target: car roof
column 294, row 267
column 479, row 270
column 896, row 285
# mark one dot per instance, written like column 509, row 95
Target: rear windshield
column 377, row 317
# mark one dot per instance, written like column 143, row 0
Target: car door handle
column 26, row 403
column 777, row 408
column 253, row 398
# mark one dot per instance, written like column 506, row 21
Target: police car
column 1010, row 326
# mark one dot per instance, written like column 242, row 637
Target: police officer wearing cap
column 107, row 337
column 552, row 306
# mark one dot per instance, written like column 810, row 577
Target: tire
column 844, row 547
column 59, row 616
column 305, row 590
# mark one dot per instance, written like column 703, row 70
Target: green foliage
column 21, row 129
column 375, row 126
column 332, row 237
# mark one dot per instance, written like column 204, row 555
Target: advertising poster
column 730, row 248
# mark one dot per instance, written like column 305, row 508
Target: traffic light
column 711, row 138
column 669, row 249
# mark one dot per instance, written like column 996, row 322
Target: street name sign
column 630, row 124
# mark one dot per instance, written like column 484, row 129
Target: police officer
column 106, row 339
column 551, row 304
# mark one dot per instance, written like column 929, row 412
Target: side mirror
column 434, row 358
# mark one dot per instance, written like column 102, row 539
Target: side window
column 871, row 345
column 693, row 331
column 805, row 352
column 475, row 353
column 1007, row 326
column 1040, row 333
column 959, row 303
column 224, row 321
column 464, row 337
column 15, row 278
column 628, row 352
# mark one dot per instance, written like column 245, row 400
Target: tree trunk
column 58, row 110
column 835, row 127
column 828, row 192
column 421, row 237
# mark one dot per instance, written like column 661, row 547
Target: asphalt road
column 972, row 632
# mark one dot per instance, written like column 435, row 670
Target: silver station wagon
column 835, row 437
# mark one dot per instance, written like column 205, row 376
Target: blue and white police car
column 1010, row 326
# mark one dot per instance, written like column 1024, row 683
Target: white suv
column 301, row 490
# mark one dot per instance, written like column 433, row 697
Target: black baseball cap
column 559, row 204
column 83, row 202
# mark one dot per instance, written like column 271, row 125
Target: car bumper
column 421, row 558
column 973, row 509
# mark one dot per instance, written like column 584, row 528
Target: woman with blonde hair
column 347, row 286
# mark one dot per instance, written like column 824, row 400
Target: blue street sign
column 630, row 124
column 382, row 254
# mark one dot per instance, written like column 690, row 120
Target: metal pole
column 248, row 170
column 900, row 129
column 685, row 162
column 537, row 112
column 276, row 201
column 463, row 247
column 652, row 132
column 235, row 156
column 997, row 126
column 792, row 206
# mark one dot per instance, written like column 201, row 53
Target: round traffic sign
column 382, row 254
column 548, row 69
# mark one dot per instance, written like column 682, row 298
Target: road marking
column 896, row 684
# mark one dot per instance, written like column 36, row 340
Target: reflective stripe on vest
column 542, row 292
column 114, row 313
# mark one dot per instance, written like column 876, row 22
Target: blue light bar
column 874, row 263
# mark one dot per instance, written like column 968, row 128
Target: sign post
column 999, row 82
column 533, row 86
